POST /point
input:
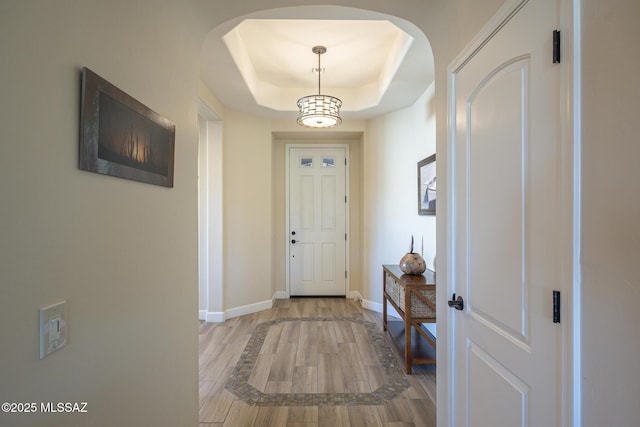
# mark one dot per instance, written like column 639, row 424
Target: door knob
column 293, row 233
column 457, row 303
column 293, row 241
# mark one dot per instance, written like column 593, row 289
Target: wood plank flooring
column 303, row 357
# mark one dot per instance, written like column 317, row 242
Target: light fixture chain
column 319, row 72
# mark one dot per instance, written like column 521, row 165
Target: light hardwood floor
column 303, row 357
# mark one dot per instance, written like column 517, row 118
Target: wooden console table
column 413, row 297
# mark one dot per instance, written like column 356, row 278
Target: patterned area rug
column 393, row 384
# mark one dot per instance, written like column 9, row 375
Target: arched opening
column 416, row 74
column 388, row 141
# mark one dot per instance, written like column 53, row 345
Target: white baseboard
column 248, row 309
column 377, row 307
column 281, row 295
column 215, row 316
column 354, row 295
column 221, row 316
column 373, row 306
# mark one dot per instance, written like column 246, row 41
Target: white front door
column 506, row 220
column 317, row 221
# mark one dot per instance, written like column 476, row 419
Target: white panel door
column 506, row 219
column 317, row 221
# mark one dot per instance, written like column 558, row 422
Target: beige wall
column 247, row 210
column 394, row 144
column 610, row 211
column 121, row 253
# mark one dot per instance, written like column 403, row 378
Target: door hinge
column 345, row 274
column 345, row 236
column 556, row 46
column 345, row 199
column 345, row 161
column 556, row 306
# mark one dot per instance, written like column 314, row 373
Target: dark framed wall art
column 427, row 186
column 120, row 136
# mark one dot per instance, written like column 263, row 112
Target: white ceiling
column 261, row 65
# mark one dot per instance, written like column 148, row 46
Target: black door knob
column 293, row 241
column 457, row 303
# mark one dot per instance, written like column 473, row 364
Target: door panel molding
column 508, row 82
column 511, row 390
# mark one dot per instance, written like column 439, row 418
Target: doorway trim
column 288, row 148
column 210, row 228
column 569, row 23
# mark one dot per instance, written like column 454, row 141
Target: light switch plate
column 53, row 328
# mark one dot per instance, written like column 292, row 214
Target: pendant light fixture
column 319, row 111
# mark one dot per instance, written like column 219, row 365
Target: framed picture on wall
column 427, row 186
column 120, row 136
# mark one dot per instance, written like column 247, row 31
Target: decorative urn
column 412, row 263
